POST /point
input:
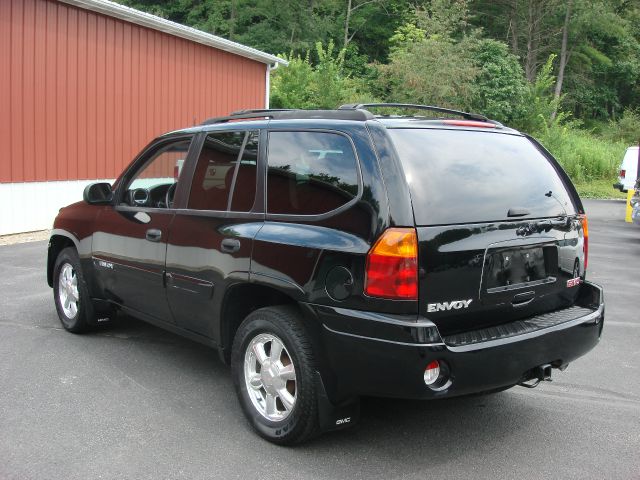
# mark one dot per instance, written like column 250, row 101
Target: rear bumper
column 620, row 186
column 383, row 355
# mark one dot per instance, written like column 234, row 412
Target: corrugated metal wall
column 81, row 93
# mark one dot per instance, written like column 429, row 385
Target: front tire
column 273, row 369
column 70, row 293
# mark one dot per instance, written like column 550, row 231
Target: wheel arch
column 242, row 299
column 59, row 240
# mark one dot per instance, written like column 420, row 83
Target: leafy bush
column 416, row 72
column 540, row 110
column 626, row 129
column 583, row 156
column 500, row 87
column 323, row 85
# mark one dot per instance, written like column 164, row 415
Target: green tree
column 431, row 58
column 499, row 88
column 541, row 108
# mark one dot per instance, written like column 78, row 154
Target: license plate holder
column 513, row 268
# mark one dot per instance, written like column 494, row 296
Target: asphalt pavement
column 132, row 401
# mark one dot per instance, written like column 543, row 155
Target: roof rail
column 239, row 115
column 365, row 106
column 291, row 114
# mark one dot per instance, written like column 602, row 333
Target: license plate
column 515, row 266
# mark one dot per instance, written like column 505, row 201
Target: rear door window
column 459, row 176
column 225, row 175
column 310, row 173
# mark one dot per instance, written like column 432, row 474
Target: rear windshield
column 459, row 176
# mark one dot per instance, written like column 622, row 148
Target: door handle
column 230, row 245
column 523, row 299
column 153, row 235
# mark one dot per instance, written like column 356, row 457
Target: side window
column 225, row 175
column 155, row 183
column 310, row 173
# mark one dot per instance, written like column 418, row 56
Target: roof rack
column 290, row 114
column 465, row 115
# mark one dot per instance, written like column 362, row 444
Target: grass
column 584, row 156
column 591, row 161
column 599, row 189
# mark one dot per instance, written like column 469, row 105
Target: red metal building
column 85, row 84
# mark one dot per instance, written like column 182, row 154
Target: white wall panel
column 25, row 207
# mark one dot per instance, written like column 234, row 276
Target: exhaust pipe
column 541, row 373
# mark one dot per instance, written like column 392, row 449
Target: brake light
column 392, row 265
column 469, row 123
column 585, row 232
column 622, row 173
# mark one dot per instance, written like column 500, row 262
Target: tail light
column 585, row 231
column 622, row 173
column 432, row 373
column 392, row 265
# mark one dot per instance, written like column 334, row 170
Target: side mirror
column 98, row 194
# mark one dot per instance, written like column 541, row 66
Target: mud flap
column 335, row 417
column 102, row 311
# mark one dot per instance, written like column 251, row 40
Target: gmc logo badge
column 573, row 282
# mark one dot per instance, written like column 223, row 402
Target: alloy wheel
column 68, row 294
column 270, row 377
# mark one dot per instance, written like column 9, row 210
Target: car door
column 129, row 245
column 210, row 242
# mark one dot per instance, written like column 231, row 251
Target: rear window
column 459, row 176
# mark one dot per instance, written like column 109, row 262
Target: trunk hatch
column 499, row 236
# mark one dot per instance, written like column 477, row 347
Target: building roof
column 132, row 15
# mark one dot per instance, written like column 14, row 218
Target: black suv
column 330, row 254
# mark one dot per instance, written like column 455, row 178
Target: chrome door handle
column 153, row 235
column 230, row 245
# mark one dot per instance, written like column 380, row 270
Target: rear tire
column 70, row 293
column 273, row 370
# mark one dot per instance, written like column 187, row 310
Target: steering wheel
column 168, row 198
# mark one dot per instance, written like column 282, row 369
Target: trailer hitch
column 539, row 374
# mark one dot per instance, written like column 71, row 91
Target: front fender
column 59, row 240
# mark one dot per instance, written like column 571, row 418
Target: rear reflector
column 585, row 232
column 392, row 266
column 432, row 373
column 469, row 123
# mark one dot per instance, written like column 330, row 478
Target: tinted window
column 217, row 169
column 465, row 177
column 164, row 166
column 158, row 175
column 310, row 172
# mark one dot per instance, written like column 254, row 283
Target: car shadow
column 400, row 432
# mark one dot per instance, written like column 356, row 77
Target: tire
column 68, row 283
column 279, row 420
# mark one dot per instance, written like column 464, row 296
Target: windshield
column 460, row 176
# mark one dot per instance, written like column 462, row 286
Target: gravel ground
column 25, row 237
